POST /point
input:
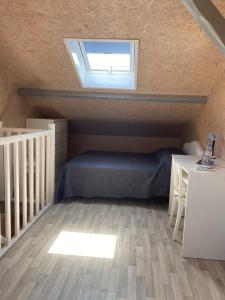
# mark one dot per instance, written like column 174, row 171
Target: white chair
column 179, row 197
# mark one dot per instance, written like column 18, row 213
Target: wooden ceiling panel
column 175, row 56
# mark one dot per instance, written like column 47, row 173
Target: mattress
column 116, row 175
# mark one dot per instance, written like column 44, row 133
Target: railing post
column 1, row 184
column 7, row 174
column 24, row 182
column 52, row 162
column 42, row 157
column 37, row 175
column 16, row 187
column 31, row 178
column 48, row 171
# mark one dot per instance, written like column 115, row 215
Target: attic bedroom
column 112, row 149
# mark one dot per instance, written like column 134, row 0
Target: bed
column 116, row 175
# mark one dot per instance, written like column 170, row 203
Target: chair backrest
column 178, row 179
column 176, row 175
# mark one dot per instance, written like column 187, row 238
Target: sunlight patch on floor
column 84, row 244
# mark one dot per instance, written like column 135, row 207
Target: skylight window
column 108, row 56
column 104, row 64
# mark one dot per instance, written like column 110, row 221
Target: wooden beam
column 210, row 19
column 112, row 96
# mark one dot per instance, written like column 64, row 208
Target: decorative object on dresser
column 206, row 162
column 61, row 138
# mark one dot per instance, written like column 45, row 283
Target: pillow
column 193, row 148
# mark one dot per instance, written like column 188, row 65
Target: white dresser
column 61, row 137
column 204, row 221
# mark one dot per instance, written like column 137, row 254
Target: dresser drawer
column 60, row 159
column 61, row 137
column 61, row 149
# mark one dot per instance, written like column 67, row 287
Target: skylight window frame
column 84, row 55
column 83, row 61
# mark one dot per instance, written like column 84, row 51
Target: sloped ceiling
column 112, row 117
column 220, row 4
column 175, row 56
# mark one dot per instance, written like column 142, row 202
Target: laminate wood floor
column 146, row 264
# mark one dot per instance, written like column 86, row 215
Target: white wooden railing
column 27, row 170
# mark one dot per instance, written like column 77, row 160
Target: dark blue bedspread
column 116, row 175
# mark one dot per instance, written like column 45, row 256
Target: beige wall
column 175, row 57
column 10, row 108
column 211, row 118
column 117, row 125
column 13, row 110
column 80, row 143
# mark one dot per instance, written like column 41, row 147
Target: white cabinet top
column 187, row 162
